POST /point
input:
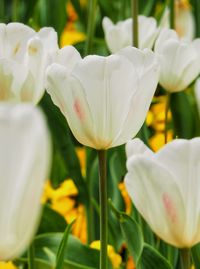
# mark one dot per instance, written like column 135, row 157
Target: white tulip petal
column 119, row 35
column 139, row 105
column 67, row 93
column 24, row 164
column 164, row 36
column 36, row 63
column 197, row 93
column 49, row 38
column 147, row 31
column 156, row 195
column 136, row 147
column 181, row 157
column 176, row 58
column 16, row 38
column 68, row 56
column 142, row 60
column 2, row 38
column 113, row 32
column 12, row 77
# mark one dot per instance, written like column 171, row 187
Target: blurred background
column 72, row 189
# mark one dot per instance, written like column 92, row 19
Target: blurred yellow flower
column 7, row 265
column 114, row 257
column 158, row 140
column 149, row 118
column 158, row 111
column 130, row 264
column 126, row 197
column 81, row 152
column 63, row 201
column 71, row 35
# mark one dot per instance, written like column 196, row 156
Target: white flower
column 24, row 164
column 119, row 35
column 24, row 56
column 184, row 20
column 104, row 99
column 164, row 188
column 179, row 60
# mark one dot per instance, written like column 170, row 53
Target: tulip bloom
column 24, row 163
column 184, row 20
column 104, row 99
column 179, row 61
column 119, row 35
column 24, row 56
column 164, row 188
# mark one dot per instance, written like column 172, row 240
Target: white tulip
column 24, row 56
column 104, row 99
column 179, row 60
column 24, row 164
column 184, row 20
column 164, row 187
column 119, row 35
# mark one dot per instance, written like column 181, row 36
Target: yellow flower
column 114, row 257
column 63, row 201
column 7, row 265
column 81, row 152
column 71, row 36
column 125, row 196
column 158, row 111
column 149, row 118
column 158, row 140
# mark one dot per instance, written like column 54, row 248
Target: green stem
column 185, row 258
column 90, row 221
column 103, row 208
column 197, row 17
column 31, row 255
column 15, row 10
column 166, row 114
column 91, row 26
column 135, row 34
column 172, row 14
column 2, row 10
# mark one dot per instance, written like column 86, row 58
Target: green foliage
column 151, row 258
column 51, row 221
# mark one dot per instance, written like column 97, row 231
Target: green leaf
column 62, row 247
column 147, row 7
column 183, row 115
column 51, row 221
column 132, row 234
column 76, row 256
column 58, row 170
column 53, row 13
column 31, row 257
column 151, row 258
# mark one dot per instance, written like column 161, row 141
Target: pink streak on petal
column 170, row 208
column 78, row 109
